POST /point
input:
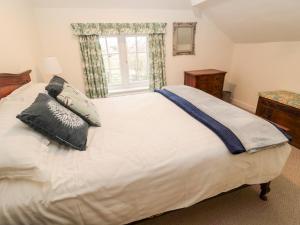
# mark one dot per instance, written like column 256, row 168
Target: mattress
column 148, row 157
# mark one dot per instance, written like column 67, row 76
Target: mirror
column 184, row 38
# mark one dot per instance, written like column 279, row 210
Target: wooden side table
column 210, row 81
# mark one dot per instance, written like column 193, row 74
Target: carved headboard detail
column 10, row 82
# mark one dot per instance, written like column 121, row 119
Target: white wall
column 213, row 48
column 264, row 67
column 28, row 35
column 18, row 37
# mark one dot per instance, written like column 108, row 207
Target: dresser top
column 284, row 97
column 205, row 72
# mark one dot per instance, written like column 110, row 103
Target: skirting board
column 243, row 105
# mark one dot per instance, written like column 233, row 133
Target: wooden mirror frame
column 191, row 25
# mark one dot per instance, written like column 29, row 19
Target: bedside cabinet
column 210, row 81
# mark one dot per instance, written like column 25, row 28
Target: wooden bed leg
column 265, row 189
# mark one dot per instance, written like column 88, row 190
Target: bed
column 148, row 157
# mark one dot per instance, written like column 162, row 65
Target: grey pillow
column 55, row 86
column 73, row 99
column 50, row 118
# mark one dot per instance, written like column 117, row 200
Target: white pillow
column 21, row 157
column 27, row 92
column 22, row 150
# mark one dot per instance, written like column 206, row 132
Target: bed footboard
column 265, row 189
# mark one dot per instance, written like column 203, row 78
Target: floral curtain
column 93, row 67
column 117, row 28
column 157, row 61
column 96, row 84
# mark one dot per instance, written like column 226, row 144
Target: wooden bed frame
column 10, row 82
column 265, row 189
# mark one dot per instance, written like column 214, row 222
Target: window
column 126, row 62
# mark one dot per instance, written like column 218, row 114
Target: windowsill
column 128, row 91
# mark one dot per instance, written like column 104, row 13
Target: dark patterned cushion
column 73, row 99
column 52, row 119
column 55, row 86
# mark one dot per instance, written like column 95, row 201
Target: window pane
column 112, row 45
column 103, row 45
column 111, row 60
column 132, row 66
column 142, row 66
column 114, row 61
column 105, row 61
column 131, row 44
column 135, row 59
column 141, row 43
column 114, row 77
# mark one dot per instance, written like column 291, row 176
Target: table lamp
column 52, row 66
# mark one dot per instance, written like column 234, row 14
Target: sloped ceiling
column 254, row 20
column 115, row 4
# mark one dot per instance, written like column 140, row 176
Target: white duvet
column 148, row 157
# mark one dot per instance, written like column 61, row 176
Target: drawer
column 265, row 111
column 203, row 85
column 263, row 102
column 217, row 86
column 204, row 79
column 283, row 115
column 217, row 94
column 219, row 77
column 211, row 82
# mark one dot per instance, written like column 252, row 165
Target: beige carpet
column 243, row 207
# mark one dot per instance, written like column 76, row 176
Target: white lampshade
column 51, row 66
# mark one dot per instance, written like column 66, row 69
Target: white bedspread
column 253, row 132
column 148, row 157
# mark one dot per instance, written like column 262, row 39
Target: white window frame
column 112, row 53
column 124, row 67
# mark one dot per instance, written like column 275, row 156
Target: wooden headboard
column 10, row 82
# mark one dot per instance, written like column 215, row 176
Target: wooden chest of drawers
column 10, row 82
column 210, row 81
column 282, row 114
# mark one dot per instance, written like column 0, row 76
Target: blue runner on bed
column 226, row 135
